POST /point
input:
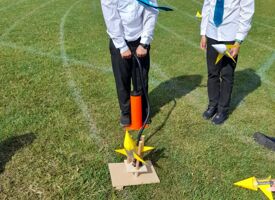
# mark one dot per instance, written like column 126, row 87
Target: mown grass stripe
column 16, row 23
column 12, row 5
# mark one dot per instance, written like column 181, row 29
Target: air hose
column 146, row 97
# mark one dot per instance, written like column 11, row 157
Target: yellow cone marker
column 198, row 15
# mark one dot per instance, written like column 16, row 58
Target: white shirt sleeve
column 205, row 16
column 150, row 16
column 113, row 23
column 247, row 8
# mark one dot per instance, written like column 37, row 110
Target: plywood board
column 120, row 177
column 131, row 169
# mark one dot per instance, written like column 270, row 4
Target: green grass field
column 59, row 117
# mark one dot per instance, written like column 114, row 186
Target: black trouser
column 125, row 71
column 220, row 77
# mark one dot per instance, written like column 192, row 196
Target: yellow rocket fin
column 264, row 180
column 249, row 183
column 220, row 56
column 121, row 151
column 266, row 190
column 229, row 55
column 230, row 46
column 138, row 158
column 129, row 143
column 147, row 148
column 198, row 15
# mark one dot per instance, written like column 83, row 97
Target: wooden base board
column 131, row 169
column 120, row 177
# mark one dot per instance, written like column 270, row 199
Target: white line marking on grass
column 71, row 61
column 259, row 44
column 180, row 37
column 71, row 83
column 7, row 31
column 198, row 2
column 11, row 5
column 264, row 68
column 264, row 25
column 180, row 10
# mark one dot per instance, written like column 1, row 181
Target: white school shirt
column 236, row 23
column 129, row 20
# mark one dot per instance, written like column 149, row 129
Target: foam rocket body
column 223, row 50
column 267, row 186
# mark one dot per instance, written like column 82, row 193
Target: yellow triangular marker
column 266, row 190
column 249, row 183
column 198, row 15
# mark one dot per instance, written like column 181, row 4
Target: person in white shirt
column 223, row 22
column 130, row 27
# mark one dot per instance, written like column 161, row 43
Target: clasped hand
column 140, row 51
column 234, row 51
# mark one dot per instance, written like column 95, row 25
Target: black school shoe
column 125, row 120
column 220, row 118
column 209, row 113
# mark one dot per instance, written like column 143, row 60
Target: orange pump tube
column 136, row 112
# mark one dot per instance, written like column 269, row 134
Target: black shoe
column 125, row 120
column 209, row 113
column 219, row 118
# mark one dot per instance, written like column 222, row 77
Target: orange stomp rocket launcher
column 136, row 111
column 135, row 170
column 136, row 100
column 267, row 186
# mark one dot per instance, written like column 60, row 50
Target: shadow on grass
column 169, row 91
column 246, row 81
column 155, row 155
column 9, row 147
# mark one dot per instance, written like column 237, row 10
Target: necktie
column 150, row 4
column 218, row 14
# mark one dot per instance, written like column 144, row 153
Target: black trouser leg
column 227, row 81
column 123, row 71
column 213, row 82
column 220, row 77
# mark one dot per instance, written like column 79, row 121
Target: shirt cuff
column 240, row 36
column 203, row 32
column 145, row 40
column 123, row 49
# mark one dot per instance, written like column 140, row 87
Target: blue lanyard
column 150, row 4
